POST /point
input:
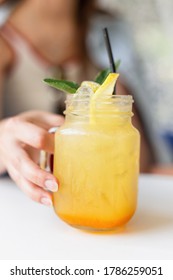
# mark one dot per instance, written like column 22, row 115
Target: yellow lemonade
column 96, row 162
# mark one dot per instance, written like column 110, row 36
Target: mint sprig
column 66, row 86
column 71, row 87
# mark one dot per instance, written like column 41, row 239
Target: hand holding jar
column 21, row 139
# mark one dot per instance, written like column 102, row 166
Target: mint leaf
column 66, row 86
column 101, row 76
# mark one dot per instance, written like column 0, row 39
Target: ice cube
column 81, row 99
column 83, row 92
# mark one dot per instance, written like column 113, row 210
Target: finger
column 47, row 120
column 31, row 190
column 32, row 172
column 44, row 119
column 22, row 165
column 34, row 136
column 34, row 192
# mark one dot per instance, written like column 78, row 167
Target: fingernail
column 51, row 185
column 46, row 201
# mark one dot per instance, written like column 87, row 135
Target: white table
column 32, row 231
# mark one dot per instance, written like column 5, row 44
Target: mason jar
column 96, row 163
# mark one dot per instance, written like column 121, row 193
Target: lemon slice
column 107, row 88
column 92, row 85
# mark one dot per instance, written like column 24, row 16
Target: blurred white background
column 152, row 27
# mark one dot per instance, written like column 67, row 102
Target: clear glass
column 96, row 162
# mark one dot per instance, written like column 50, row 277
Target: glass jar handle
column 45, row 158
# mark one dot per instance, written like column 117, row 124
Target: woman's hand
column 21, row 139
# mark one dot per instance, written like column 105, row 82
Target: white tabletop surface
column 32, row 231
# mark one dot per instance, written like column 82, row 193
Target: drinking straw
column 109, row 50
column 110, row 54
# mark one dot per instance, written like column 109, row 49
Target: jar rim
column 122, row 105
column 116, row 98
column 121, row 98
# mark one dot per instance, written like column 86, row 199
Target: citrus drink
column 96, row 162
column 97, row 171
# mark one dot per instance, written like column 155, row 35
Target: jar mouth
column 112, row 104
column 112, row 98
column 116, row 99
